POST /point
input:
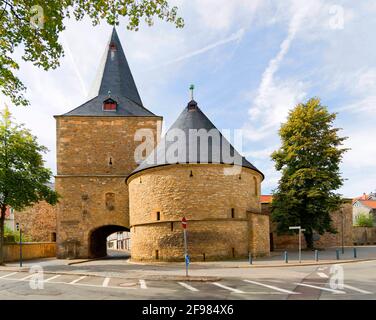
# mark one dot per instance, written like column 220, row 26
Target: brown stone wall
column 29, row 251
column 94, row 156
column 364, row 235
column 326, row 240
column 259, row 234
column 38, row 222
column 85, row 145
column 207, row 240
column 206, row 199
column 83, row 208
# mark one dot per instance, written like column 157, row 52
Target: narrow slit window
column 156, row 254
column 158, row 216
column 232, row 213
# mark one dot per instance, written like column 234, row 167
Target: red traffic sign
column 184, row 223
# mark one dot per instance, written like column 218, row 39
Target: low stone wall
column 364, row 235
column 341, row 221
column 30, row 250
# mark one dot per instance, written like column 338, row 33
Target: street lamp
column 300, row 240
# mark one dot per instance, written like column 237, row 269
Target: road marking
column 188, row 286
column 105, row 282
column 53, row 277
column 321, row 288
column 227, row 288
column 143, row 284
column 27, row 277
column 322, row 268
column 272, row 287
column 356, row 289
column 78, row 279
column 9, row 274
column 322, row 275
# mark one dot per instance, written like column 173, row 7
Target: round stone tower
column 196, row 173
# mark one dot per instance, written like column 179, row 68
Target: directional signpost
column 186, row 256
column 300, row 240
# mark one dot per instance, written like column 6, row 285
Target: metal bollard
column 250, row 258
column 355, row 253
column 317, row 255
column 286, row 257
column 337, row 254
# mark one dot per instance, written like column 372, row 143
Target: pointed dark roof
column 193, row 118
column 114, row 80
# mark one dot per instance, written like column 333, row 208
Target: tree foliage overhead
column 35, row 25
column 23, row 177
column 309, row 160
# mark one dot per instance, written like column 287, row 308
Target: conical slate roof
column 180, row 145
column 114, row 80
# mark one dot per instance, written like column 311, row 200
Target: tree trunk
column 308, row 235
column 2, row 219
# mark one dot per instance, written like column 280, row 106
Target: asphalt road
column 309, row 282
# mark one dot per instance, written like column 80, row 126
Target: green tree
column 35, row 25
column 364, row 219
column 309, row 160
column 23, row 177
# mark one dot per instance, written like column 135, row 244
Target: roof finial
column 109, row 93
column 191, row 88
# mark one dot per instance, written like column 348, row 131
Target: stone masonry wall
column 206, row 197
column 260, row 238
column 326, row 240
column 94, row 156
column 38, row 222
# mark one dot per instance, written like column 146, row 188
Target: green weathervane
column 191, row 87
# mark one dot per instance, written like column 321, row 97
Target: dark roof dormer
column 109, row 105
column 192, row 105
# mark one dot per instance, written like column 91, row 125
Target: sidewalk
column 200, row 271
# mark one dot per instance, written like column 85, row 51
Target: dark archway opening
column 98, row 240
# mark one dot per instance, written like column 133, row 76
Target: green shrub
column 14, row 236
column 364, row 220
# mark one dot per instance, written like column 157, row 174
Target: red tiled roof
column 369, row 203
column 362, row 197
column 266, row 198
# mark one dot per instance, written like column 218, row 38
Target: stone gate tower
column 95, row 153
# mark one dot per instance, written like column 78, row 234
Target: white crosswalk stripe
column 227, row 288
column 320, row 288
column 271, row 287
column 78, row 279
column 322, row 275
column 356, row 289
column 27, row 277
column 188, row 286
column 52, row 278
column 8, row 275
column 105, row 282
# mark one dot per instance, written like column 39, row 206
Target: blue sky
column 250, row 61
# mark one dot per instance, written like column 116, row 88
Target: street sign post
column 186, row 257
column 300, row 240
column 18, row 228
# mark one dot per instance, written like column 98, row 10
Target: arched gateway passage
column 98, row 239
